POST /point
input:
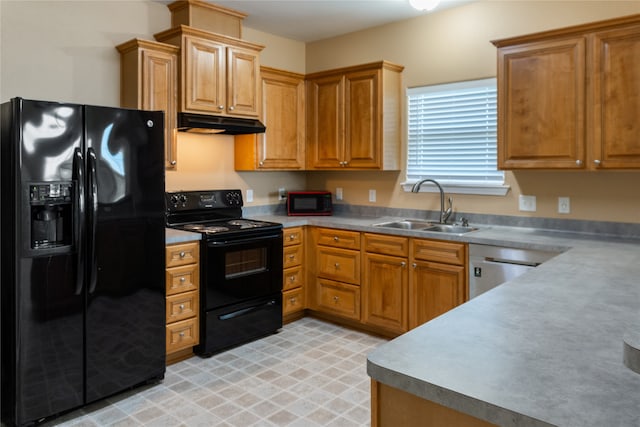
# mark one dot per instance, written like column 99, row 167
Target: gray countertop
column 544, row 349
column 179, row 236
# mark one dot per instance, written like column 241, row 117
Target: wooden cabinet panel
column 339, row 264
column 541, row 101
column 325, row 122
column 243, row 82
column 386, row 245
column 282, row 145
column 149, row 81
column 434, row 289
column 203, row 76
column 338, row 298
column 292, row 256
column 616, row 98
column 338, row 238
column 182, row 279
column 292, row 301
column 182, row 254
column 439, row 251
column 181, row 335
column 384, row 292
column 293, row 278
column 362, row 112
column 292, row 236
column 182, row 306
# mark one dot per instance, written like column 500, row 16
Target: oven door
column 241, row 268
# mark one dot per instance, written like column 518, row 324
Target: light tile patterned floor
column 311, row 373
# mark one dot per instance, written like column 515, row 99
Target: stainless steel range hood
column 203, row 123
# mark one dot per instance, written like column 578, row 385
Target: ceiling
column 311, row 20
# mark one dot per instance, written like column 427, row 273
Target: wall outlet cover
column 249, row 195
column 527, row 203
column 339, row 193
column 372, row 195
column 564, row 205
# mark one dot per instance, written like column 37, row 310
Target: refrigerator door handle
column 93, row 215
column 80, row 222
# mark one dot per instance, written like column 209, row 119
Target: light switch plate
column 527, row 203
column 372, row 195
column 249, row 195
column 564, row 205
column 339, row 193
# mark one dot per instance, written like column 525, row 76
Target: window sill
column 478, row 189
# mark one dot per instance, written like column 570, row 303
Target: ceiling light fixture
column 424, row 4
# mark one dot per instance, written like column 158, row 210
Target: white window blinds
column 452, row 133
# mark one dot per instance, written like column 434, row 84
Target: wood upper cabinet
column 148, row 81
column 218, row 74
column 282, row 146
column 437, row 279
column 354, row 117
column 570, row 98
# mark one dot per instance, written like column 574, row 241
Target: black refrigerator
column 82, row 244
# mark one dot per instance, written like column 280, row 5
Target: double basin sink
column 417, row 225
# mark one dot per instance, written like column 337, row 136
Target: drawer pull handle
column 337, row 265
column 292, row 300
column 403, row 264
column 292, row 237
column 181, row 307
column 335, row 299
column 336, row 238
column 292, row 278
column 183, row 279
column 182, row 254
column 414, row 265
column 292, row 257
column 181, row 334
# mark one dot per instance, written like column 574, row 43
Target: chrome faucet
column 444, row 215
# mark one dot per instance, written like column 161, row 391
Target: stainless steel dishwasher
column 490, row 266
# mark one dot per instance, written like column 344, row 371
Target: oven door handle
column 242, row 241
column 244, row 311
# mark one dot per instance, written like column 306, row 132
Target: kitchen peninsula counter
column 545, row 349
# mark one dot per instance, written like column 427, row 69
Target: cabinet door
column 338, row 298
column 541, row 105
column 362, row 120
column 203, row 76
column 384, row 292
column 282, row 145
column 325, row 122
column 616, row 93
column 160, row 92
column 433, row 290
column 242, row 82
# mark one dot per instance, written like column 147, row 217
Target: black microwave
column 309, row 203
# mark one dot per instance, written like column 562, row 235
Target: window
column 452, row 137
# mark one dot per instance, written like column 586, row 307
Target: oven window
column 245, row 262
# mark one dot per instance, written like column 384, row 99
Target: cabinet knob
column 292, row 278
column 183, row 279
column 403, row 264
column 220, row 107
column 182, row 254
column 597, row 162
column 181, row 334
column 231, row 108
column 335, row 298
column 337, row 265
column 336, row 238
column 173, row 162
column 261, row 163
column 292, row 237
column 292, row 257
column 181, row 307
column 578, row 162
column 292, row 300
column 414, row 265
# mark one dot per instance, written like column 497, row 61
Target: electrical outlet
column 339, row 193
column 564, row 205
column 372, row 195
column 249, row 195
column 527, row 203
column 282, row 193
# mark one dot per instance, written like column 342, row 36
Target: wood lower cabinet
column 282, row 145
column 149, row 81
column 293, row 301
column 570, row 98
column 437, row 280
column 182, row 299
column 354, row 117
column 336, row 272
column 385, row 281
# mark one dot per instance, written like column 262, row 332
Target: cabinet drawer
column 292, row 301
column 439, row 251
column 292, row 256
column 182, row 254
column 338, row 298
column 182, row 306
column 292, row 236
column 339, row 264
column 182, row 334
column 292, row 278
column 386, row 245
column 182, row 279
column 339, row 238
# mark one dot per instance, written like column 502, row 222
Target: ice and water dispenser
column 51, row 215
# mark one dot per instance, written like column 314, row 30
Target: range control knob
column 174, row 199
column 183, row 199
column 233, row 198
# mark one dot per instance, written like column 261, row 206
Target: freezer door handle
column 80, row 217
column 93, row 220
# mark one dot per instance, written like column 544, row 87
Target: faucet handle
column 464, row 221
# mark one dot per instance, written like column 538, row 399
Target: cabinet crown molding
column 185, row 30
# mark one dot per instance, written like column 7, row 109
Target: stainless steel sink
column 407, row 224
column 417, row 225
column 451, row 228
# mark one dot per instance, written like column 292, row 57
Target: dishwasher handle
column 510, row 261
